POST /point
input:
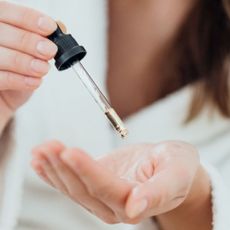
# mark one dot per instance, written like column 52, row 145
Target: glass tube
column 100, row 99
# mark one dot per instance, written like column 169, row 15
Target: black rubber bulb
column 69, row 51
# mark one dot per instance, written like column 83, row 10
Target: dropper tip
column 116, row 122
column 124, row 133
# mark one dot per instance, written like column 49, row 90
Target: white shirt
column 62, row 109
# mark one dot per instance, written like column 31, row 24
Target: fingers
column 76, row 189
column 66, row 175
column 24, row 48
column 37, row 166
column 14, row 61
column 43, row 167
column 100, row 183
column 53, row 146
column 57, row 174
column 26, row 42
column 13, row 81
column 26, row 18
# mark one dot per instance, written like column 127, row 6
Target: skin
column 164, row 180
column 142, row 36
column 24, row 55
column 168, row 182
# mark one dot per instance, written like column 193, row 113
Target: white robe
column 62, row 109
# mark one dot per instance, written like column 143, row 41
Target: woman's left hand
column 127, row 185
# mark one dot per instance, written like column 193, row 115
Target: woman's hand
column 127, row 185
column 24, row 54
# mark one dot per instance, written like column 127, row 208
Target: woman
column 143, row 94
column 164, row 181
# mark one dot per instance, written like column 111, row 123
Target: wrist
column 200, row 189
column 4, row 120
column 5, row 116
column 196, row 210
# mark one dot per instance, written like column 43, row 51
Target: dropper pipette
column 69, row 55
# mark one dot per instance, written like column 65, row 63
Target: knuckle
column 6, row 79
column 16, row 59
column 9, row 78
column 24, row 40
column 25, row 15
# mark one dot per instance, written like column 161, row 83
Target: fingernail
column 40, row 66
column 47, row 48
column 137, row 208
column 32, row 82
column 47, row 24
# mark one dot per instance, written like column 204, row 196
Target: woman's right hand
column 24, row 55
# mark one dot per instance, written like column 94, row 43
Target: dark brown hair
column 204, row 52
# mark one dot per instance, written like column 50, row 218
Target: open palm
column 127, row 185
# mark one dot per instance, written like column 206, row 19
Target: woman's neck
column 140, row 54
column 136, row 76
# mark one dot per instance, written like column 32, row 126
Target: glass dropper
column 99, row 98
column 69, row 55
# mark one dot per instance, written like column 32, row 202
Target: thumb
column 161, row 193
